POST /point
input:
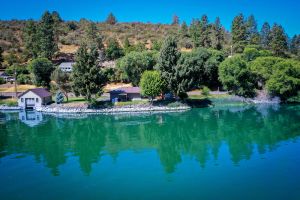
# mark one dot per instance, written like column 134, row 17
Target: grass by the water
column 8, row 102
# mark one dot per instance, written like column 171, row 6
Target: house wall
column 37, row 101
column 133, row 96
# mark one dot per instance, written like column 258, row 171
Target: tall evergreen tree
column 184, row 30
column 46, row 35
column 87, row 78
column 279, row 43
column 113, row 50
column 1, row 57
column 239, row 33
column 30, row 37
column 175, row 20
column 217, row 35
column 167, row 62
column 111, row 19
column 252, row 32
column 205, row 32
column 265, row 35
column 195, row 32
column 295, row 45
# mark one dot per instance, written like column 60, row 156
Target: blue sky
column 285, row 12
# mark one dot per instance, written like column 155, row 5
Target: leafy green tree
column 278, row 44
column 285, row 79
column 239, row 33
column 156, row 45
column 135, row 63
column 250, row 54
column 151, row 84
column 46, row 37
column 205, row 91
column 217, row 35
column 235, row 76
column 61, row 81
column 111, row 19
column 211, row 68
column 265, row 35
column 263, row 67
column 167, row 62
column 113, row 50
column 87, row 77
column 41, row 68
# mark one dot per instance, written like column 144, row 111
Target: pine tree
column 46, row 37
column 252, row 32
column 87, row 78
column 111, row 19
column 295, row 45
column 217, row 35
column 175, row 20
column 265, row 37
column 1, row 57
column 30, row 37
column 278, row 44
column 205, row 32
column 195, row 32
column 239, row 34
column 167, row 62
column 184, row 30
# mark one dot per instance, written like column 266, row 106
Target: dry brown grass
column 112, row 86
column 68, row 48
column 20, row 88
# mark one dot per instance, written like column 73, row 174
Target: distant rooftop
column 128, row 90
column 41, row 92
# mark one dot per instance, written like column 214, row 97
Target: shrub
column 205, row 91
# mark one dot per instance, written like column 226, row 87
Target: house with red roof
column 33, row 98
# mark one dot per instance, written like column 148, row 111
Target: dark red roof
column 128, row 90
column 41, row 92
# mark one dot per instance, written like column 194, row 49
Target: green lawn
column 75, row 100
column 211, row 96
column 127, row 103
column 9, row 102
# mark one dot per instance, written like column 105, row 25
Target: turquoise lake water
column 244, row 152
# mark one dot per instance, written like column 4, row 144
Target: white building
column 34, row 98
column 66, row 66
column 31, row 118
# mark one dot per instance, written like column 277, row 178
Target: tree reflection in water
column 198, row 133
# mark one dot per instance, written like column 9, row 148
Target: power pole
column 15, row 77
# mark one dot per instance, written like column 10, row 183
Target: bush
column 205, row 91
column 2, row 81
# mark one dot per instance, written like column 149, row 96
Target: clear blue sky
column 285, row 12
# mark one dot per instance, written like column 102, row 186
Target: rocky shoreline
column 9, row 108
column 113, row 110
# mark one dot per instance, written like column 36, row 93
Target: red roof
column 128, row 90
column 41, row 92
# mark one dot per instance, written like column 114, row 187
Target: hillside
column 72, row 33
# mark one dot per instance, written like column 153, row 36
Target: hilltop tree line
column 258, row 60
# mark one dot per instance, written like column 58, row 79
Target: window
column 37, row 100
column 22, row 100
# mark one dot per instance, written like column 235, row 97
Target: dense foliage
column 135, row 63
column 87, row 78
column 41, row 69
column 151, row 84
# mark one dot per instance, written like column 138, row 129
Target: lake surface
column 232, row 152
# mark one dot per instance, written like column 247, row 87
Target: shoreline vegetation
column 242, row 66
column 79, row 106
